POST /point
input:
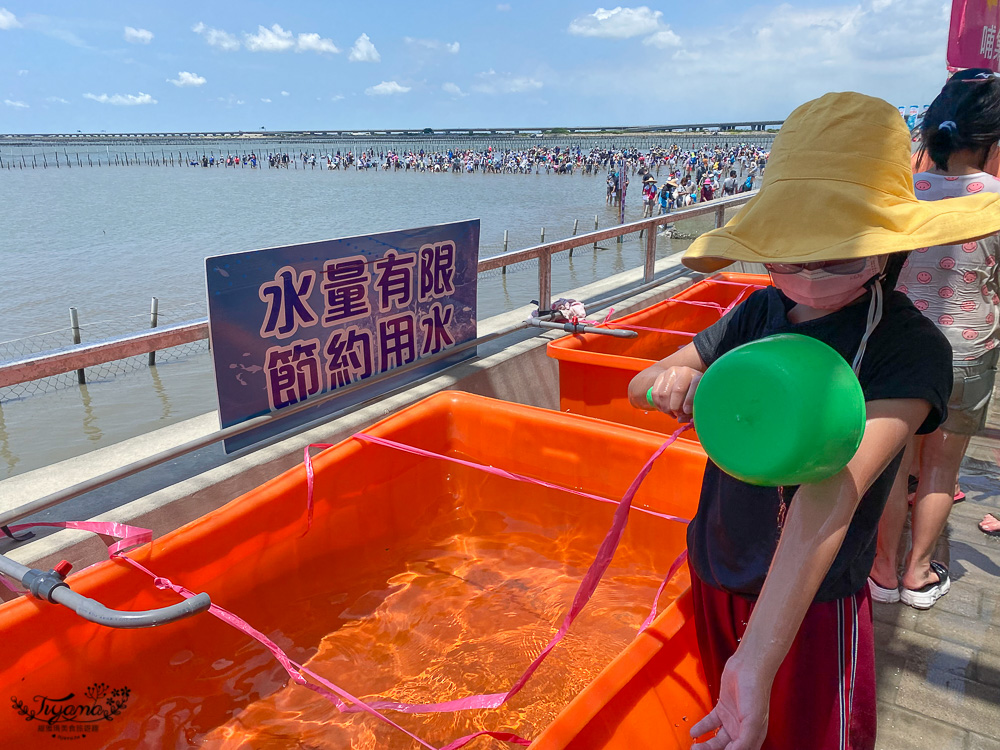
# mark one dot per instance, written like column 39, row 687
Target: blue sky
column 117, row 66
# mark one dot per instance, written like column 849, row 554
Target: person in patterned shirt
column 958, row 288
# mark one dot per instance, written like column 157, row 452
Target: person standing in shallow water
column 958, row 288
column 782, row 609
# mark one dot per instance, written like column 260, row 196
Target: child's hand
column 673, row 392
column 740, row 717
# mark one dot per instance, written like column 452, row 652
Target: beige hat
column 838, row 185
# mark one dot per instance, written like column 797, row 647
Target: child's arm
column 817, row 522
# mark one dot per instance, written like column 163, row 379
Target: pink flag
column 972, row 40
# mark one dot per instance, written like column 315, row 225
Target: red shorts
column 824, row 693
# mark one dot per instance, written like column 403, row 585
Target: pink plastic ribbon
column 701, row 303
column 737, row 283
column 577, row 321
column 336, row 695
column 674, row 567
column 723, row 311
column 130, row 536
column 364, row 437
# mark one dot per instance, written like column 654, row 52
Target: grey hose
column 49, row 585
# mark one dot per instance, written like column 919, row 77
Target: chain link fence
column 94, row 332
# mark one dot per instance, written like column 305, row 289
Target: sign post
column 289, row 323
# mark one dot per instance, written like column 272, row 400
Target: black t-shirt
column 734, row 534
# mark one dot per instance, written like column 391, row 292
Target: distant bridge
column 346, row 134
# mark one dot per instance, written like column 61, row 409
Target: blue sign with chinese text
column 289, row 323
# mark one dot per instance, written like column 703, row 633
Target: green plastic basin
column 783, row 410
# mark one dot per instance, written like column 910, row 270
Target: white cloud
column 617, row 23
column 285, row 93
column 663, row 38
column 217, row 38
column 434, row 44
column 315, row 43
column 230, row 100
column 122, row 100
column 364, row 51
column 8, row 20
column 770, row 61
column 277, row 39
column 138, row 36
column 187, row 79
column 492, row 82
column 274, row 39
column 386, row 88
column 22, row 72
column 15, row 105
column 266, row 101
column 503, row 7
column 56, row 100
column 336, row 97
column 453, row 89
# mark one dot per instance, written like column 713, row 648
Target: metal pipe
column 618, row 333
column 49, row 586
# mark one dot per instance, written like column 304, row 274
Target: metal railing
column 45, row 364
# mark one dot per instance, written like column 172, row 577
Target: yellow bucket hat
column 837, row 186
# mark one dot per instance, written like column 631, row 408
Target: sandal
column 926, row 596
column 988, row 532
column 880, row 594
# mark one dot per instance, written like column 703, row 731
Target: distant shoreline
column 526, row 135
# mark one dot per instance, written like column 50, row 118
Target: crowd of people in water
column 689, row 175
column 692, row 176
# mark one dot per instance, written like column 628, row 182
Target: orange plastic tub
column 649, row 697
column 595, row 370
column 420, row 581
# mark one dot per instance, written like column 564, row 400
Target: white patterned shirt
column 957, row 286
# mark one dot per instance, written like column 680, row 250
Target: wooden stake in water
column 595, row 229
column 74, row 321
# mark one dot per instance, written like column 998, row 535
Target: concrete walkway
column 938, row 671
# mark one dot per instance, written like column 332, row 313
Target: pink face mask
column 822, row 290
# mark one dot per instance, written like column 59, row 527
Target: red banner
column 974, row 38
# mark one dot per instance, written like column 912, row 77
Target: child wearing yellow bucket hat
column 779, row 574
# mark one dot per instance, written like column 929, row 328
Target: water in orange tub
column 420, row 581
